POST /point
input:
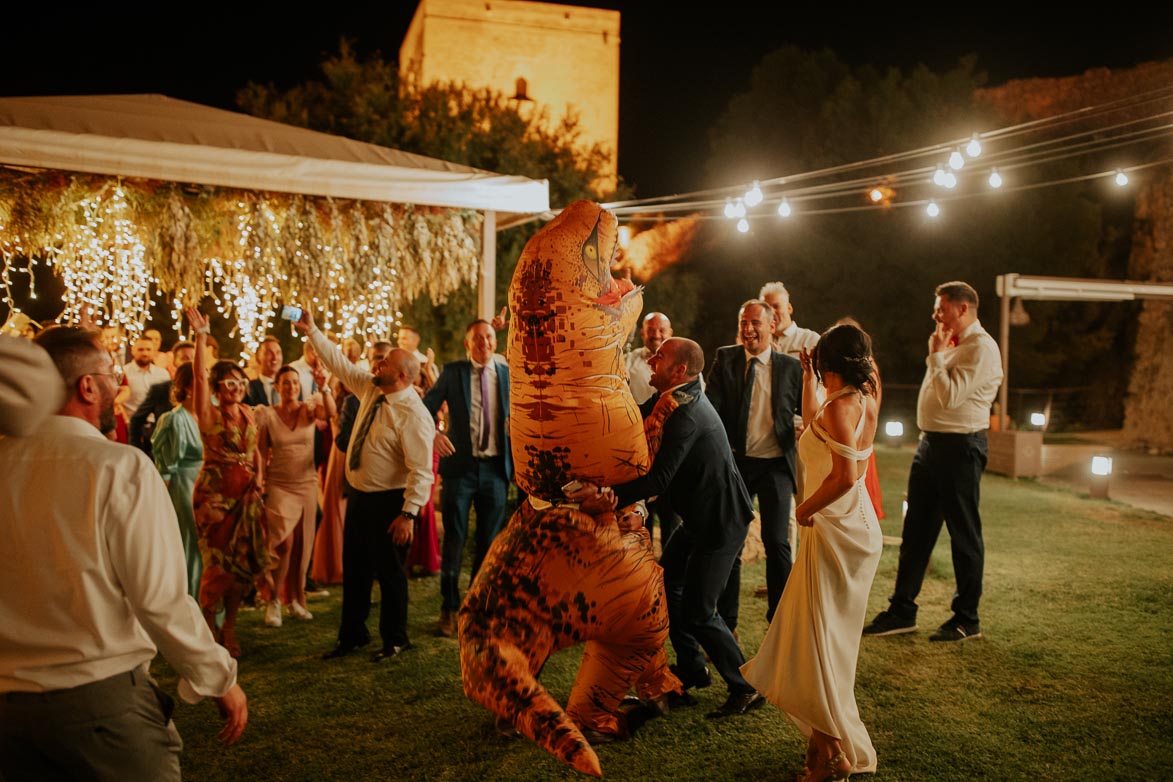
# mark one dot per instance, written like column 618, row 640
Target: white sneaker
column 298, row 611
column 273, row 614
column 318, row 593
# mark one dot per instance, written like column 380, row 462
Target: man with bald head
column 692, row 461
column 389, row 470
column 655, row 329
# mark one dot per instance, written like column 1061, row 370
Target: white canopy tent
column 156, row 137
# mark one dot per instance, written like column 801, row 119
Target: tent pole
column 487, row 283
column 1005, row 283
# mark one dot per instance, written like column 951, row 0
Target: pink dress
column 424, row 556
column 291, row 500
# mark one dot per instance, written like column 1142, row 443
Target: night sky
column 678, row 69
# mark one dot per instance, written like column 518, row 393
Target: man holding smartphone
column 389, row 470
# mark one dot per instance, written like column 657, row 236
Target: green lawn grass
column 1073, row 679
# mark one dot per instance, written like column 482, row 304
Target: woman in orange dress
column 229, row 512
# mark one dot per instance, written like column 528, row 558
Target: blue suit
column 469, row 481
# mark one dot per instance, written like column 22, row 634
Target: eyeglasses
column 232, row 384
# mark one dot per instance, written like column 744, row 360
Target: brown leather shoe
column 447, row 628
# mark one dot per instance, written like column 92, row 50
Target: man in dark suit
column 476, row 464
column 757, row 391
column 692, row 462
column 269, row 359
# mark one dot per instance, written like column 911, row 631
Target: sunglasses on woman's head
column 233, row 384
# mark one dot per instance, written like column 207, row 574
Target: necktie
column 746, row 397
column 484, row 443
column 359, row 438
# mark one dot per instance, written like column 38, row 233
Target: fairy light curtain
column 122, row 246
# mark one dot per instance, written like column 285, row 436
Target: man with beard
column 141, row 373
column 91, row 592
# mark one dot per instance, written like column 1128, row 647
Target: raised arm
column 200, row 392
column 355, row 378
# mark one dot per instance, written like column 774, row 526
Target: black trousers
column 367, row 553
column 694, row 578
column 944, row 485
column 771, row 482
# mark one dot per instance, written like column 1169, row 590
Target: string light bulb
column 753, row 196
column 974, row 147
column 995, row 179
column 1121, row 178
column 739, row 208
column 932, row 210
column 784, row 209
column 956, row 160
column 939, row 176
column 743, row 225
column 729, row 211
column 876, row 195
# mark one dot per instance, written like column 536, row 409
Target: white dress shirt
column 960, row 384
column 795, row 339
column 760, row 440
column 639, row 374
column 140, row 381
column 94, row 581
column 397, row 453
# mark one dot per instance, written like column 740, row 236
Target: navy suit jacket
column 695, row 466
column 256, row 394
column 724, row 387
column 454, row 386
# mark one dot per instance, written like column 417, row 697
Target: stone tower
column 556, row 56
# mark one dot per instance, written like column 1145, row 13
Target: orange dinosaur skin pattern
column 557, row 577
column 572, row 414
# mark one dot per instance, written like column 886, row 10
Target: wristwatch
column 409, row 515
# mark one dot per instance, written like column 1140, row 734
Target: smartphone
column 570, row 488
column 289, row 312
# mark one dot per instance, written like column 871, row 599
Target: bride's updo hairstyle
column 846, row 350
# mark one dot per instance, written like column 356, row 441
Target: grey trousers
column 118, row 728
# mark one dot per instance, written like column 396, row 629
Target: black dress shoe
column 738, row 703
column 341, row 650
column 701, row 678
column 387, row 652
column 599, row 737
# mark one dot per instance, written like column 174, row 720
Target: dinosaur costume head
column 572, row 415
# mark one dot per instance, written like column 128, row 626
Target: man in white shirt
column 141, row 373
column 91, row 592
column 653, row 331
column 962, row 375
column 306, row 366
column 789, row 337
column 29, row 386
column 476, row 464
column 389, row 470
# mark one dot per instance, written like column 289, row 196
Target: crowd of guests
column 327, row 468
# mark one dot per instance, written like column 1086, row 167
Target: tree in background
column 364, row 100
column 808, row 110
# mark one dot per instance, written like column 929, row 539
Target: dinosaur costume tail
column 497, row 676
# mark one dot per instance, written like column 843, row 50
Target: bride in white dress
column 806, row 664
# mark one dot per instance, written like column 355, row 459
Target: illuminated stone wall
column 566, row 55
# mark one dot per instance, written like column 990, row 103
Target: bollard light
column 894, row 428
column 1101, row 469
column 1038, row 419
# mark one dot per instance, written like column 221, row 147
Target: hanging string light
column 995, row 179
column 974, row 147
